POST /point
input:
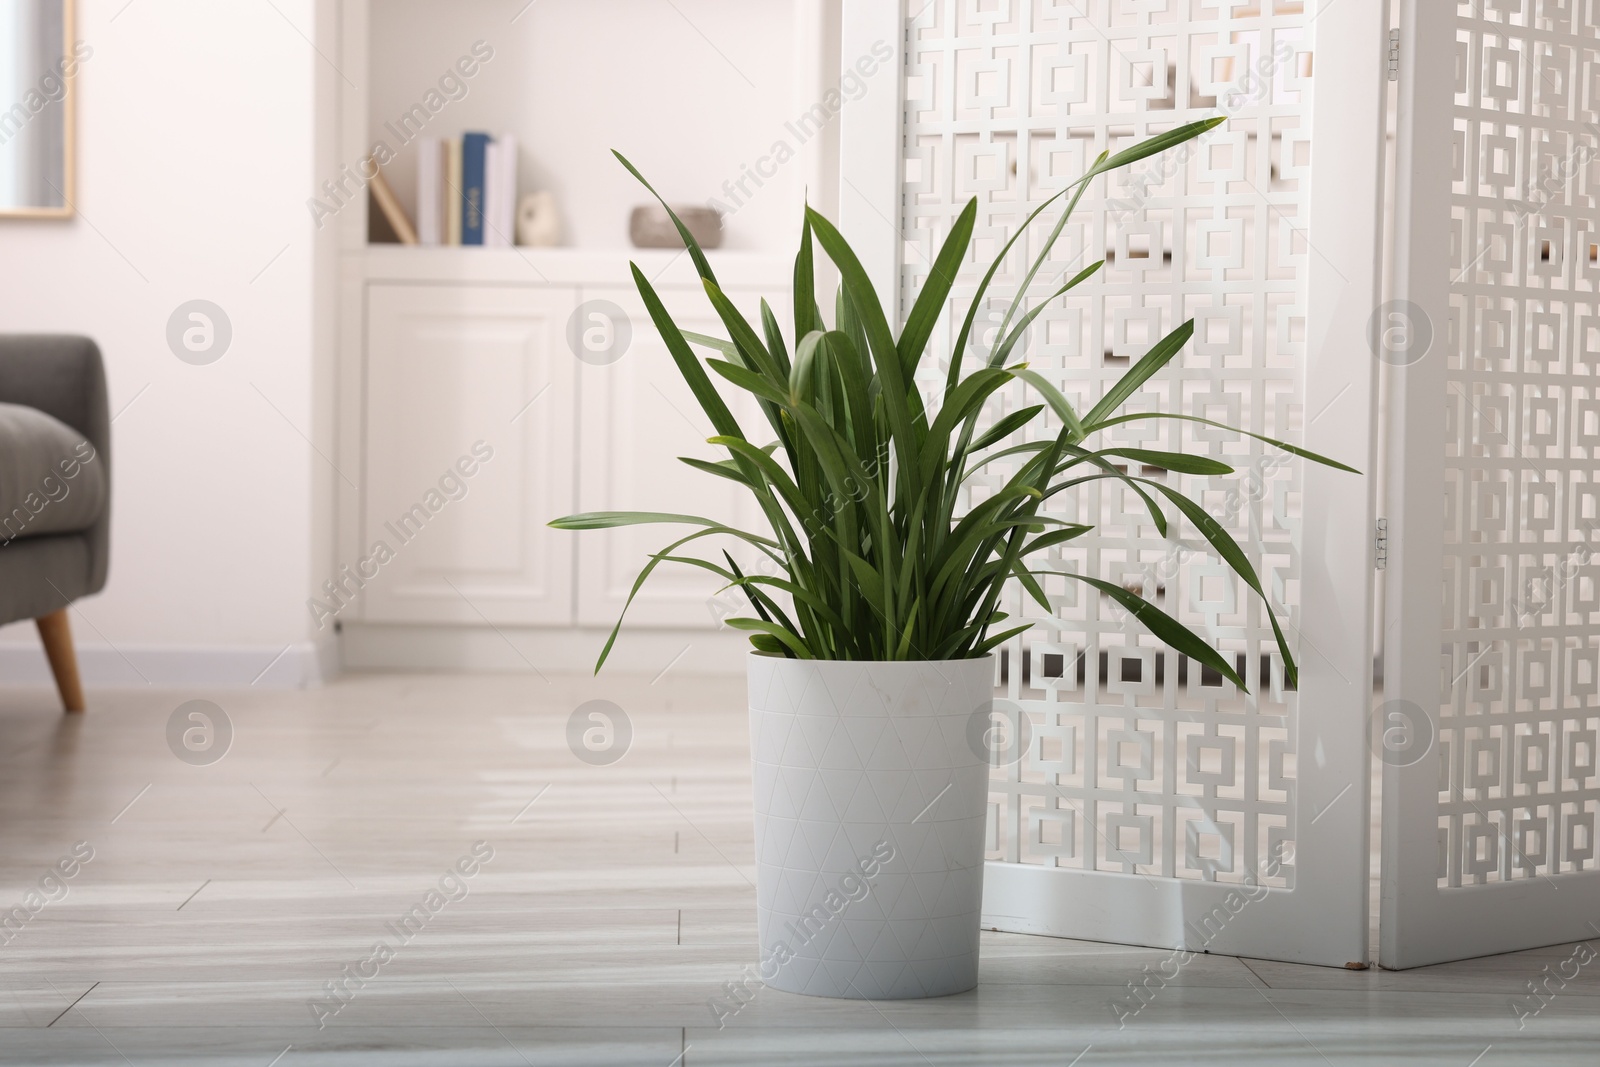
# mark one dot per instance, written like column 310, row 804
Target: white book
column 493, row 235
column 508, row 188
column 429, row 193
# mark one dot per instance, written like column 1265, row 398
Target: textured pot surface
column 870, row 792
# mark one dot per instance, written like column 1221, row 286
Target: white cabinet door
column 468, row 454
column 638, row 416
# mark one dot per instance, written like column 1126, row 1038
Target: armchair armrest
column 63, row 376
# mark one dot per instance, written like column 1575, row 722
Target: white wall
column 203, row 128
column 692, row 92
column 196, row 155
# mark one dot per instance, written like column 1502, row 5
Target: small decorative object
column 883, row 589
column 651, row 226
column 538, row 220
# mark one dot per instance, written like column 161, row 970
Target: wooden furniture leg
column 56, row 633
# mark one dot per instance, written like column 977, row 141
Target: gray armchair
column 55, row 489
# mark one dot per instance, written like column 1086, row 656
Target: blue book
column 474, row 146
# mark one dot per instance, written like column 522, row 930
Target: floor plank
column 221, row 900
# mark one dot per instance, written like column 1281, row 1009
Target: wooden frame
column 70, row 134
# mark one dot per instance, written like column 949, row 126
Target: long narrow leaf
column 1140, row 372
column 699, row 257
column 941, row 276
column 1294, row 450
column 1166, row 629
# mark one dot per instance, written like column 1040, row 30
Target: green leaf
column 959, row 351
column 707, row 341
column 1140, row 372
column 880, row 551
column 1053, row 538
column 745, row 338
column 1034, row 589
column 801, row 371
column 806, row 318
column 638, row 583
column 687, row 362
column 863, row 300
column 722, row 469
column 1157, row 144
column 763, row 462
column 1166, row 629
column 1109, row 471
column 1177, row 462
column 1049, row 243
column 790, row 640
column 1005, row 426
column 1053, row 397
column 739, row 575
column 749, row 380
column 1284, row 445
column 770, row 645
column 1230, row 553
column 1003, row 349
column 999, row 639
column 966, row 398
column 774, row 337
column 941, row 276
column 607, row 520
column 699, row 257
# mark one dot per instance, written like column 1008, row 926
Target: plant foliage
column 860, row 483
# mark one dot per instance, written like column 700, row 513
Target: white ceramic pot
column 870, row 791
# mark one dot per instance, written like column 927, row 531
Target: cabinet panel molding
column 637, row 418
column 468, row 453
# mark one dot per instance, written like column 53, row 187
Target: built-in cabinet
column 444, row 349
column 484, row 416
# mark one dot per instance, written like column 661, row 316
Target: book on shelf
column 491, row 192
column 474, row 147
column 501, row 206
column 467, row 190
column 393, row 213
column 452, row 199
column 430, row 191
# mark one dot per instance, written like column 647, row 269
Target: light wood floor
column 222, row 899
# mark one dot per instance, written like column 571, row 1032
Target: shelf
column 567, row 266
column 572, row 83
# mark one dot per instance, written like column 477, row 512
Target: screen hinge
column 1394, row 55
column 1380, row 546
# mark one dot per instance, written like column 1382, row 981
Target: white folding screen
column 1492, row 651
column 1147, row 796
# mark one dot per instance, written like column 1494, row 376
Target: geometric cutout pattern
column 1140, row 763
column 1520, row 656
column 851, row 761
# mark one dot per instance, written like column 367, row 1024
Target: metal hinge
column 1380, row 545
column 1394, row 55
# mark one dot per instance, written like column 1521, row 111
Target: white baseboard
column 376, row 647
column 296, row 666
column 381, row 647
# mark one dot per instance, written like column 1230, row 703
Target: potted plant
column 871, row 676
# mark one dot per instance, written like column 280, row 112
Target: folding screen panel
column 1491, row 788
column 1146, row 800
